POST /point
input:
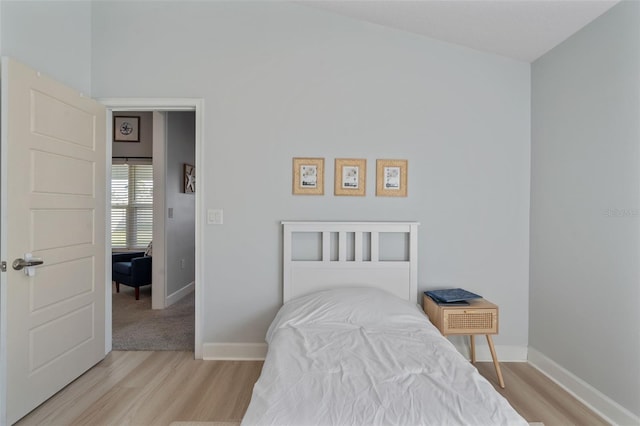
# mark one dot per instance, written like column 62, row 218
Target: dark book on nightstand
column 452, row 296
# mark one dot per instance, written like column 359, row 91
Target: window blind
column 131, row 205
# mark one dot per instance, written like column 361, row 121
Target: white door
column 53, row 206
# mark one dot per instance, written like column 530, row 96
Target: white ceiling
column 519, row 29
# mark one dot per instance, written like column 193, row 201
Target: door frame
column 160, row 105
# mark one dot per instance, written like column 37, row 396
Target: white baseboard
column 604, row 406
column 174, row 297
column 234, row 351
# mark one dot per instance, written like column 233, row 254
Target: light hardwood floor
column 157, row 388
column 537, row 398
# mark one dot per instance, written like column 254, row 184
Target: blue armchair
column 132, row 269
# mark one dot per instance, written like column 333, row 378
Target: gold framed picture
column 350, row 176
column 308, row 176
column 391, row 178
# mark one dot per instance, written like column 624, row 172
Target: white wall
column 53, row 37
column 585, row 205
column 282, row 80
column 180, row 229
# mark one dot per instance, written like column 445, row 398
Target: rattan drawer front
column 472, row 321
column 483, row 321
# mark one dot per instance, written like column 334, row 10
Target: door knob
column 21, row 263
column 27, row 264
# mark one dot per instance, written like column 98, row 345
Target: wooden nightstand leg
column 495, row 360
column 473, row 349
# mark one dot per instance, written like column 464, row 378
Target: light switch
column 214, row 217
column 170, row 212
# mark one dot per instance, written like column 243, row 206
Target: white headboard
column 360, row 266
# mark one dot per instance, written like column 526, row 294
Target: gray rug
column 137, row 327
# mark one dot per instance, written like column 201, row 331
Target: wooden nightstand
column 479, row 317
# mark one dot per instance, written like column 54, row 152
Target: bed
column 351, row 346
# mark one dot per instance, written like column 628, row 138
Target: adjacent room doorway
column 163, row 292
column 161, row 315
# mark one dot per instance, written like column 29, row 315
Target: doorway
column 165, row 297
column 161, row 315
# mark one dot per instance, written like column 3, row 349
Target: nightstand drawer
column 470, row 321
column 480, row 317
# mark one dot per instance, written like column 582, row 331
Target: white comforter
column 364, row 357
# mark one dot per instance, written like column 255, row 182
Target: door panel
column 57, row 337
column 57, row 174
column 79, row 224
column 53, row 117
column 43, row 295
column 55, row 182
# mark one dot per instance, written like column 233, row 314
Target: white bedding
column 364, row 357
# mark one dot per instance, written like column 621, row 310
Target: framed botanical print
column 350, row 176
column 308, row 176
column 391, row 178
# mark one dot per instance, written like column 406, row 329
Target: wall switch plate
column 170, row 212
column 214, row 217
